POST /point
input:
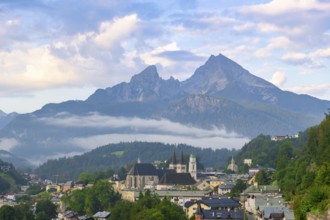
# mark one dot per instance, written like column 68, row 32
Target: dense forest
column 305, row 176
column 116, row 156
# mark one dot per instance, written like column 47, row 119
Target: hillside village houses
column 202, row 194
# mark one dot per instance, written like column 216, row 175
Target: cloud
column 111, row 33
column 279, row 7
column 71, row 61
column 199, row 20
column 180, row 56
column 307, row 60
column 152, row 57
column 138, row 129
column 317, row 90
column 278, row 79
column 324, row 52
column 306, row 29
column 281, row 42
column 244, row 27
column 8, row 143
column 96, row 120
column 171, row 57
column 89, row 143
column 35, row 68
column 295, row 58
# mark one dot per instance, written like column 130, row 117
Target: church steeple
column 193, row 166
column 181, row 157
column 174, row 158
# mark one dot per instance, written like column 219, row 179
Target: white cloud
column 278, row 78
column 321, row 91
column 91, row 142
column 267, row 28
column 243, row 27
column 151, row 130
column 70, row 61
column 8, row 143
column 35, row 68
column 324, row 52
column 96, row 120
column 295, row 58
column 113, row 32
column 281, row 42
column 277, row 7
column 151, row 57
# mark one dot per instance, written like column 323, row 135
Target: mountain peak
column 148, row 74
column 220, row 73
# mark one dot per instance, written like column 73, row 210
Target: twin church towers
column 181, row 167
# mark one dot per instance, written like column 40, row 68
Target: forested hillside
column 302, row 166
column 10, row 179
column 262, row 150
column 117, row 155
column 306, row 178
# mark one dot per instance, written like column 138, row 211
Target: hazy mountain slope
column 18, row 162
column 6, row 118
column 207, row 111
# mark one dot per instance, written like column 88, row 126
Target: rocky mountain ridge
column 220, row 94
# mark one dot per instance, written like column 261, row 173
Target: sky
column 53, row 51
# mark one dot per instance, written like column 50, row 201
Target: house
column 210, row 203
column 247, row 161
column 225, row 188
column 101, row 215
column 179, row 197
column 191, row 207
column 84, row 217
column 69, row 215
column 254, row 170
column 216, row 182
column 266, row 202
column 67, row 186
column 203, row 184
column 275, row 212
column 221, row 214
column 279, row 137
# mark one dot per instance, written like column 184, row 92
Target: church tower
column 193, row 167
column 181, row 166
column 173, row 164
column 232, row 166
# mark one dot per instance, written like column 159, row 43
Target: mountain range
column 220, row 99
column 6, row 118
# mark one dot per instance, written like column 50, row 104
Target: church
column 181, row 167
column 145, row 175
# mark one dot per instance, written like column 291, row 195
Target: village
column 202, row 194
